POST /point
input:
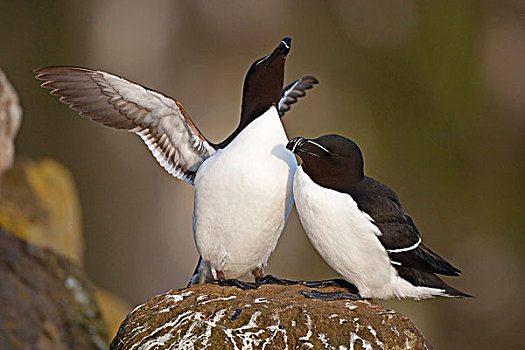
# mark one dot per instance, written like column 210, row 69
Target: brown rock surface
column 271, row 317
column 45, row 301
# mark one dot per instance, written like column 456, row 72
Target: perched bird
column 358, row 226
column 243, row 185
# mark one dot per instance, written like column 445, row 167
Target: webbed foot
column 331, row 296
column 337, row 282
column 236, row 283
column 269, row 279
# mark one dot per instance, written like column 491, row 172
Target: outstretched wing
column 400, row 236
column 295, row 90
column 160, row 121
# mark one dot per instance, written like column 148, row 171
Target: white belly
column 347, row 240
column 243, row 195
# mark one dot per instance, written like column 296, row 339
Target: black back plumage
column 398, row 228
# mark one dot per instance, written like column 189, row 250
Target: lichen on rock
column 39, row 203
column 270, row 317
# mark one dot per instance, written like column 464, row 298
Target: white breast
column 243, row 195
column 347, row 240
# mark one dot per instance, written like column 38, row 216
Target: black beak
column 284, row 46
column 282, row 49
column 296, row 144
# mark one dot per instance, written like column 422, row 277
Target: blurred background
column 432, row 91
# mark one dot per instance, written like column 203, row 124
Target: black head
column 331, row 161
column 264, row 81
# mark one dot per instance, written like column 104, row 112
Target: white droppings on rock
column 219, row 299
column 156, row 338
column 394, row 329
column 261, row 300
column 365, row 344
column 136, row 309
column 252, row 335
column 378, row 342
column 249, row 340
column 390, row 316
column 350, row 306
column 387, row 311
column 309, row 325
column 159, row 341
column 173, row 336
column 372, row 330
column 211, row 324
column 364, row 301
column 324, row 339
column 137, row 329
column 202, row 297
column 275, row 329
column 253, row 321
column 178, row 297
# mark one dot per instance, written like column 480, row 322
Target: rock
column 39, row 203
column 46, row 302
column 10, row 119
column 270, row 317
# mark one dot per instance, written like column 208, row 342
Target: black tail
column 445, row 268
column 424, row 279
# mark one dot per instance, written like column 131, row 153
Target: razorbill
column 358, row 226
column 243, row 185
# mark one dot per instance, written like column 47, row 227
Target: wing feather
column 161, row 122
column 399, row 235
column 291, row 93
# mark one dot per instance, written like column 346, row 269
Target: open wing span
column 160, row 121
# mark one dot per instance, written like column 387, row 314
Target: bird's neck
column 246, row 119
